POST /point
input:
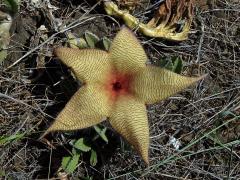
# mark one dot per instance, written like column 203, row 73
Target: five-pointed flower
column 117, row 85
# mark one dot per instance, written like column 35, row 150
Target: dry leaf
column 171, row 21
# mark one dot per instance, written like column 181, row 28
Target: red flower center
column 118, row 84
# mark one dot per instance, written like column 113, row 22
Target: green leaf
column 169, row 65
column 174, row 64
column 75, row 151
column 101, row 133
column 106, row 43
column 69, row 163
column 93, row 158
column 7, row 139
column 75, row 42
column 177, row 65
column 87, row 178
column 226, row 113
column 72, row 40
column 12, row 5
column 82, row 43
column 2, row 173
column 3, row 55
column 162, row 62
column 79, row 144
column 91, row 39
column 165, row 63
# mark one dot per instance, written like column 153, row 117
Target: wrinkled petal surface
column 154, row 84
column 129, row 118
column 88, row 106
column 117, row 85
column 90, row 65
column 126, row 52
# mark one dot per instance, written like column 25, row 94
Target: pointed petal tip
column 203, row 76
column 191, row 80
column 126, row 51
column 144, row 151
column 44, row 134
column 146, row 160
column 155, row 84
column 52, row 128
column 199, row 78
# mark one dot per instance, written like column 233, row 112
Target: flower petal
column 129, row 118
column 126, row 52
column 88, row 64
column 154, row 84
column 88, row 106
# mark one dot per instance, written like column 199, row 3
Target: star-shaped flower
column 117, row 85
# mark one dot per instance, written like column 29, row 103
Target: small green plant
column 87, row 178
column 174, row 64
column 79, row 146
column 2, row 174
column 89, row 40
column 12, row 6
column 101, row 133
column 4, row 140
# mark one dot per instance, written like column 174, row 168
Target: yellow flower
column 117, row 85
